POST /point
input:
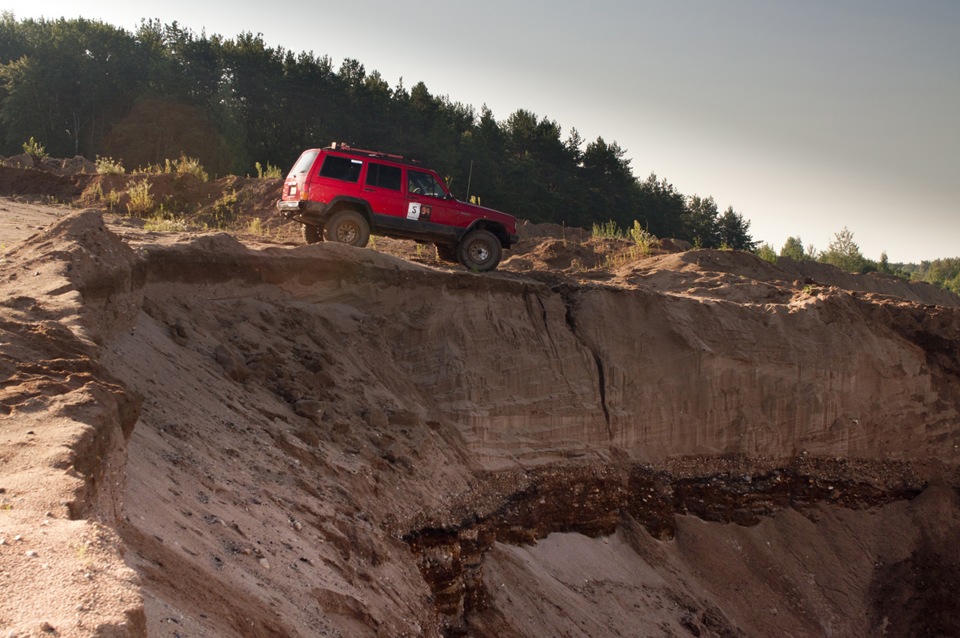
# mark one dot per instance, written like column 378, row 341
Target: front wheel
column 479, row 250
column 311, row 234
column 347, row 227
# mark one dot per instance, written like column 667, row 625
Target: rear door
column 382, row 189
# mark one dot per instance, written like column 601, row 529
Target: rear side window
column 304, row 163
column 342, row 168
column 383, row 176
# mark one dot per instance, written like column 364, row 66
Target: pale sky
column 804, row 116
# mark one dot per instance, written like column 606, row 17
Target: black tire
column 311, row 234
column 347, row 227
column 479, row 250
column 446, row 253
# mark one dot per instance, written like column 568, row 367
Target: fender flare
column 349, row 201
column 498, row 229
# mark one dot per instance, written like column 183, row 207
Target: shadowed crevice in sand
column 597, row 500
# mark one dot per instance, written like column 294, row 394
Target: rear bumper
column 289, row 208
column 303, row 211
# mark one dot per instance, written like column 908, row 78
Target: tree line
column 82, row 87
column 844, row 253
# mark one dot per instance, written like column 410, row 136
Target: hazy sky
column 804, row 116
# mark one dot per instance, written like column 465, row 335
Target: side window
column 383, row 176
column 303, row 163
column 342, row 168
column 421, row 183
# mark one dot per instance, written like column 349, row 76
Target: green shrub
column 96, row 193
column 608, row 230
column 271, row 172
column 140, row 200
column 188, row 166
column 644, row 239
column 151, row 169
column 112, row 199
column 35, row 148
column 225, row 210
column 109, row 166
column 164, row 223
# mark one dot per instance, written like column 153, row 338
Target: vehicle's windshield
column 304, row 163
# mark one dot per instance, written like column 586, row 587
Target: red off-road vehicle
column 343, row 194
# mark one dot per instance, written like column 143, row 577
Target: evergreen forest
column 82, row 87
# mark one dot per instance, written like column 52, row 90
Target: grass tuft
column 140, row 200
column 109, row 166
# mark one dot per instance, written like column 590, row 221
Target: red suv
column 343, row 194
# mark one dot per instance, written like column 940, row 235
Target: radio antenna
column 469, row 178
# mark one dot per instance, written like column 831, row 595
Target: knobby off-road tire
column 311, row 234
column 479, row 250
column 347, row 227
column 446, row 253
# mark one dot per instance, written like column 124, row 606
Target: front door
column 427, row 199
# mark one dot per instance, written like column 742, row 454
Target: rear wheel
column 446, row 253
column 347, row 227
column 311, row 234
column 479, row 250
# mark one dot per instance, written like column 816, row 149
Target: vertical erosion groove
column 570, row 303
column 602, row 382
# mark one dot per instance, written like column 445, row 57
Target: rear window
column 383, row 176
column 342, row 168
column 304, row 163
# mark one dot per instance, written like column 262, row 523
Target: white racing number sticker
column 413, row 212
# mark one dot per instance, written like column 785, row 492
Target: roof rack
column 344, row 148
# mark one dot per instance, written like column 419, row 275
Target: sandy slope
column 301, row 441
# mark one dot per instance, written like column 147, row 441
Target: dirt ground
column 210, row 433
